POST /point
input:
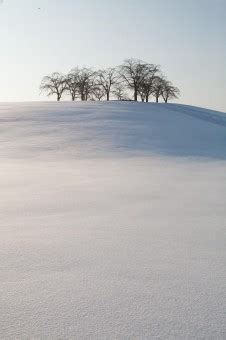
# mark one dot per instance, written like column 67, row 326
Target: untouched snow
column 112, row 221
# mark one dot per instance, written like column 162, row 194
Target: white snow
column 112, row 221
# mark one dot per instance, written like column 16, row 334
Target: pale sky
column 187, row 38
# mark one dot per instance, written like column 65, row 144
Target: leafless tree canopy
column 147, row 86
column 158, row 87
column 169, row 91
column 86, row 80
column 119, row 92
column 98, row 92
column 134, row 76
column 54, row 84
column 134, row 72
column 106, row 79
column 72, row 83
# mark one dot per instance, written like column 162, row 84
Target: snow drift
column 112, row 221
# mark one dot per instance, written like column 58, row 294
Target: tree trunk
column 108, row 96
column 135, row 95
column 157, row 99
column 147, row 98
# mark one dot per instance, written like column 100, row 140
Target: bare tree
column 147, row 86
column 86, row 82
column 135, row 75
column 98, row 92
column 54, row 84
column 158, row 87
column 119, row 92
column 133, row 72
column 89, row 87
column 107, row 78
column 72, row 83
column 169, row 91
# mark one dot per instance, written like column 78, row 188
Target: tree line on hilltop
column 144, row 80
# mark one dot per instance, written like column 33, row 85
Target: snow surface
column 112, row 221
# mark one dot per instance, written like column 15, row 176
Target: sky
column 187, row 38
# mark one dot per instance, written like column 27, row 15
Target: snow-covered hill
column 112, row 221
